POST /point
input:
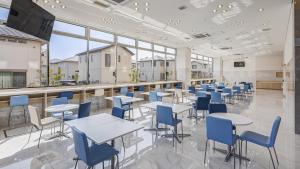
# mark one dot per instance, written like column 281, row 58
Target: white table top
column 177, row 108
column 192, row 98
column 173, row 90
column 237, row 119
column 61, row 108
column 209, row 93
column 160, row 94
column 126, row 99
column 104, row 127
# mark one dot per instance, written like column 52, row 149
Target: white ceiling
column 239, row 28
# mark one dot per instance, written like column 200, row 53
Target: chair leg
column 234, row 147
column 40, row 138
column 241, row 148
column 182, row 130
column 24, row 111
column 123, row 144
column 205, row 151
column 118, row 163
column 271, row 158
column 103, row 165
column 76, row 163
column 9, row 116
column 30, row 134
column 246, row 151
column 276, row 155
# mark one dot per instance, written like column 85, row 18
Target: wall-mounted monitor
column 28, row 17
column 239, row 64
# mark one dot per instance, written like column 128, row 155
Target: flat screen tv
column 239, row 64
column 28, row 17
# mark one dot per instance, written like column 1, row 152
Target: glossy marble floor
column 144, row 151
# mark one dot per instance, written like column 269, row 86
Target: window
column 170, row 69
column 4, row 13
column 145, row 68
column 12, row 80
column 126, row 41
column 65, row 52
column 154, row 63
column 171, row 50
column 119, row 58
column 201, row 67
column 107, row 60
column 159, row 48
column 145, row 45
column 101, row 35
column 168, row 64
column 162, row 64
column 69, row 28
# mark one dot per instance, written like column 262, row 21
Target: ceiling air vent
column 101, row 4
column 117, row 2
column 225, row 48
column 201, row 35
column 238, row 54
column 266, row 29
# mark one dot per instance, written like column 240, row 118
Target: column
column 183, row 65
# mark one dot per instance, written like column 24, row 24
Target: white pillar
column 183, row 65
column 218, row 69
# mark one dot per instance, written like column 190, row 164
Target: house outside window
column 107, row 60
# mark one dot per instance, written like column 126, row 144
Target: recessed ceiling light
column 261, row 9
column 136, row 4
column 220, row 6
column 230, row 6
column 214, row 11
column 57, row 1
column 224, row 10
column 136, row 9
column 63, row 6
column 46, row 1
column 52, row 6
column 147, row 9
column 147, row 4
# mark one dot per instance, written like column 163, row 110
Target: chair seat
column 49, row 120
column 177, row 122
column 59, row 114
column 100, row 153
column 255, row 138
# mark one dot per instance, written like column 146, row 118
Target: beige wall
column 22, row 57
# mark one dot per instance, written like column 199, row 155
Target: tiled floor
column 144, row 151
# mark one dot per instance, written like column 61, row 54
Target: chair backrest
column 157, row 87
column 117, row 102
column 153, row 96
column 21, row 100
column 141, row 88
column 164, row 115
column 217, row 108
column 84, row 110
column 201, row 94
column 237, row 88
column 246, row 87
column 178, row 86
column 216, row 97
column 222, row 84
column 68, row 94
column 219, row 130
column 202, row 103
column 274, row 131
column 129, row 94
column 124, row 90
column 227, row 90
column 81, row 145
column 35, row 117
column 192, row 89
column 204, row 87
column 58, row 101
column 118, row 112
column 99, row 92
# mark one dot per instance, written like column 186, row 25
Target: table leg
column 113, row 158
column 229, row 153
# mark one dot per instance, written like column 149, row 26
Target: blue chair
column 164, row 115
column 201, row 94
column 58, row 101
column 129, row 94
column 262, row 140
column 217, row 108
column 192, row 89
column 238, row 92
column 216, row 97
column 124, row 91
column 93, row 154
column 117, row 101
column 201, row 104
column 220, row 130
column 178, row 86
column 141, row 88
column 83, row 111
column 229, row 92
column 68, row 94
column 153, row 97
column 204, row 87
column 120, row 113
column 18, row 101
column 246, row 89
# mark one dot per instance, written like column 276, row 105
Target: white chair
column 39, row 123
column 157, row 87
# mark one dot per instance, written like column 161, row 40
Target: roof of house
column 71, row 59
column 8, row 32
column 102, row 48
column 156, row 58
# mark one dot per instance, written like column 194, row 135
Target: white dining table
column 126, row 99
column 176, row 108
column 159, row 94
column 62, row 108
column 237, row 120
column 103, row 128
column 173, row 90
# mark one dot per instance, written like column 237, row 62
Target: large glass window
column 3, row 13
column 126, row 41
column 65, row 55
column 145, row 68
column 159, row 48
column 144, row 45
column 69, row 28
column 126, row 65
column 159, row 70
column 201, row 66
column 101, row 35
column 171, row 50
column 170, row 67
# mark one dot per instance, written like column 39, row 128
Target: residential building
column 201, row 69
